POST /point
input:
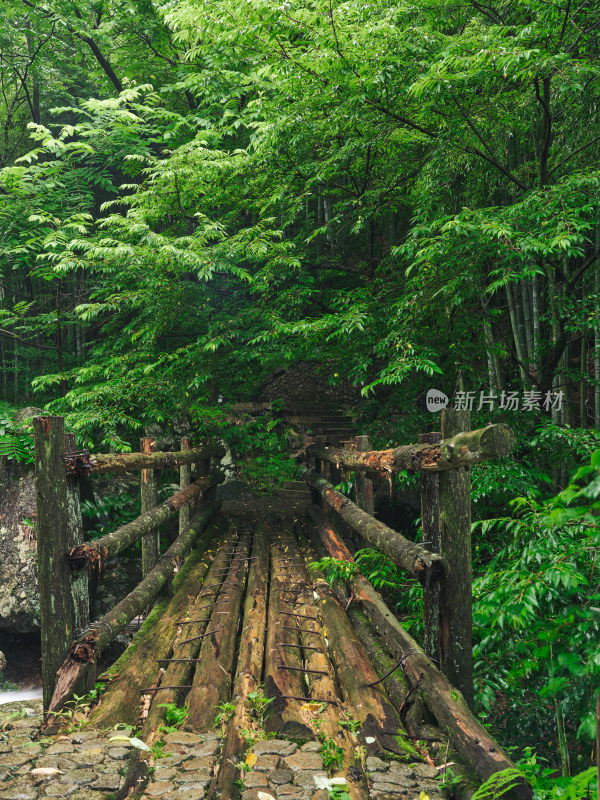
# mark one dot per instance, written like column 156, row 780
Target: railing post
column 57, row 610
column 430, row 526
column 185, row 473
column 456, row 638
column 149, row 494
column 364, row 486
column 79, row 580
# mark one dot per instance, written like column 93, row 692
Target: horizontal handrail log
column 470, row 739
column 97, row 551
column 84, row 650
column 461, row 450
column 132, row 462
column 426, row 566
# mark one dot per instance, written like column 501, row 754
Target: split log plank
column 368, row 704
column 180, row 673
column 281, row 684
column 250, row 661
column 213, row 676
column 415, row 559
column 121, row 701
column 470, row 739
column 97, row 551
column 84, row 651
column 461, row 450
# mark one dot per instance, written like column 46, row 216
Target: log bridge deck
column 251, row 677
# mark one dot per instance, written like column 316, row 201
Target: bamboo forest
column 302, row 298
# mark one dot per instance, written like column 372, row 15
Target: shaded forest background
column 194, row 194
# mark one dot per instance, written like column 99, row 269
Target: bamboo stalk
column 514, row 324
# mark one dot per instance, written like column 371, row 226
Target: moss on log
column 97, row 551
column 469, row 738
column 133, row 462
column 415, row 559
column 138, row 666
column 461, row 450
column 84, row 651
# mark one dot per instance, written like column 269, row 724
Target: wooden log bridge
column 286, row 686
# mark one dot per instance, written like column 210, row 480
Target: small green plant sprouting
column 158, row 750
column 175, row 716
column 259, row 705
column 72, row 716
column 224, row 713
column 449, row 780
column 335, row 569
column 352, row 725
column 337, row 793
column 332, row 754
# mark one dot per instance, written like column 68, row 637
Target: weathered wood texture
column 84, row 651
column 281, row 684
column 97, row 551
column 121, row 701
column 364, row 486
column 185, row 474
column 423, row 564
column 213, row 676
column 462, row 449
column 355, row 672
column 133, row 462
column 470, row 739
column 149, row 496
column 430, row 526
column 79, row 583
column 250, row 661
column 456, row 604
column 54, row 524
column 204, row 615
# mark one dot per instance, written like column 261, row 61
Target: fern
column 499, row 784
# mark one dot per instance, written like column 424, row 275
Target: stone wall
column 19, row 602
column 303, row 383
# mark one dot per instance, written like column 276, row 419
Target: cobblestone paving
column 87, row 765
column 284, row 771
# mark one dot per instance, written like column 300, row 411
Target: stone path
column 87, row 765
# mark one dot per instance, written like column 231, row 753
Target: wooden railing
column 442, row 671
column 70, row 645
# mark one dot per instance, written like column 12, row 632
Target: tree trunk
column 456, row 598
column 514, row 323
